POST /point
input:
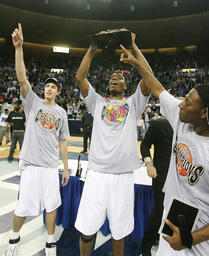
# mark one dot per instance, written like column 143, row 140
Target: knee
column 86, row 239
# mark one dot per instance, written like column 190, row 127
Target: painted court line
column 10, row 175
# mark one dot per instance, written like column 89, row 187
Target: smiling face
column 117, row 84
column 51, row 90
column 191, row 109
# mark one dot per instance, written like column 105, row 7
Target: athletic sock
column 15, row 235
column 50, row 238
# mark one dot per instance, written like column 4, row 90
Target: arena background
column 163, row 27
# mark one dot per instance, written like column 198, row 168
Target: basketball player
column 188, row 174
column 109, row 187
column 46, row 129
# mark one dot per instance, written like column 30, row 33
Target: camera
column 111, row 39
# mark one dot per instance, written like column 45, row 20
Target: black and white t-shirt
column 17, row 120
column 3, row 119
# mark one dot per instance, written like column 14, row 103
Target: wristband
column 147, row 160
column 186, row 235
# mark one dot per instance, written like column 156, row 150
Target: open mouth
column 113, row 84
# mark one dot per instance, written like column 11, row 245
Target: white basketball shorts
column 39, row 189
column 107, row 195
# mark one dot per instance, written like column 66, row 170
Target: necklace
column 116, row 113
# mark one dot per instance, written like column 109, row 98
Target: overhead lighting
column 57, row 70
column 172, row 49
column 175, row 3
column 190, row 48
column 2, row 39
column 61, row 49
column 132, row 8
column 189, row 70
column 148, row 50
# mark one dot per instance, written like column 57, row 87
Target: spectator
column 17, row 121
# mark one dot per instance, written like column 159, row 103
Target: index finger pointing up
column 124, row 49
column 20, row 27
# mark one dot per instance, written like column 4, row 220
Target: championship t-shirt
column 114, row 146
column 188, row 174
column 45, row 127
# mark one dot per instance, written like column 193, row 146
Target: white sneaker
column 51, row 249
column 12, row 247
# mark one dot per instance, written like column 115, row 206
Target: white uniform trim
column 110, row 195
column 39, row 189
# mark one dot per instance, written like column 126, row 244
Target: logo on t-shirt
column 3, row 119
column 184, row 164
column 116, row 114
column 47, row 120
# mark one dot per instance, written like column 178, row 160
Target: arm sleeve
column 91, row 99
column 28, row 101
column 140, row 101
column 169, row 107
column 148, row 140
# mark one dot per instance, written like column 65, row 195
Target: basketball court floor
column 33, row 233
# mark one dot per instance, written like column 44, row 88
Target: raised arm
column 138, row 54
column 144, row 70
column 83, row 71
column 17, row 39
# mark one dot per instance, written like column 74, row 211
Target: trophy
column 111, row 39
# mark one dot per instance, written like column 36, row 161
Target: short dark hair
column 203, row 91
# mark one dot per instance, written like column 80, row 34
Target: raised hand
column 17, row 37
column 133, row 37
column 127, row 57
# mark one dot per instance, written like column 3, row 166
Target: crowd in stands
column 168, row 68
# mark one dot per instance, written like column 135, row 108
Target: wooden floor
column 33, row 233
column 72, row 147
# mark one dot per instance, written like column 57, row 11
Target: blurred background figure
column 86, row 129
column 140, row 129
column 17, row 121
column 3, row 130
column 160, row 135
